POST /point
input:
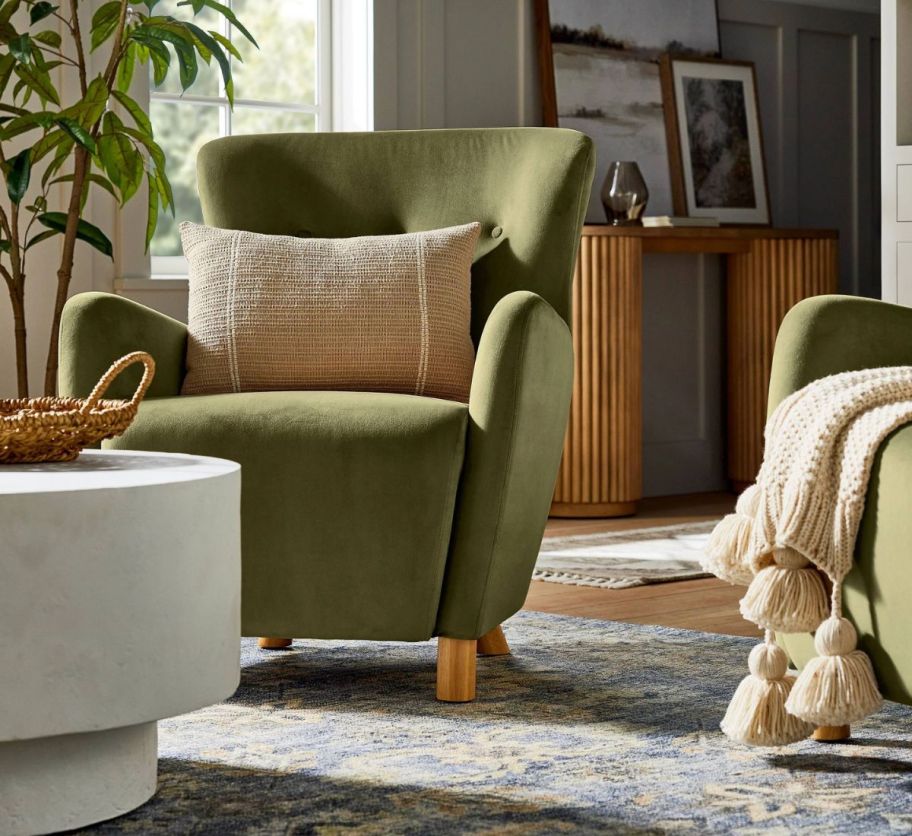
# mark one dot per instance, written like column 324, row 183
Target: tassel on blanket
column 837, row 687
column 757, row 712
column 788, row 596
column 729, row 541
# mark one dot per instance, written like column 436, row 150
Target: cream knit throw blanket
column 791, row 540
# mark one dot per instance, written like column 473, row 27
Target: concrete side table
column 119, row 605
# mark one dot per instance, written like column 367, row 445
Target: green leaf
column 90, row 109
column 152, row 211
column 7, row 62
column 125, row 67
column 106, row 12
column 182, row 41
column 8, row 10
column 40, row 11
column 97, row 179
column 104, row 22
column 85, row 231
column 26, row 122
column 21, row 48
column 226, row 13
column 136, row 112
column 49, row 37
column 61, row 155
column 48, row 143
column 39, row 82
column 216, row 51
column 41, row 236
column 79, row 133
column 18, row 175
column 5, row 246
column 158, row 52
column 122, row 162
column 225, row 42
column 164, row 191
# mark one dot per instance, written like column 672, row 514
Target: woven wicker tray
column 57, row 429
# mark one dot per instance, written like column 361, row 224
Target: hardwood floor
column 707, row 604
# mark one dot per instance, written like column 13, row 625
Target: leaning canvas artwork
column 720, row 159
column 606, row 78
column 714, row 141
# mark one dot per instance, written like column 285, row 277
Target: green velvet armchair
column 369, row 515
column 822, row 336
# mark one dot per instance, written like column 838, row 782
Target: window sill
column 154, row 283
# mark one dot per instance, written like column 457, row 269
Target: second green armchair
column 368, row 515
column 823, row 336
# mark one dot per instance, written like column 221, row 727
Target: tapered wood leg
column 494, row 643
column 273, row 643
column 832, row 734
column 456, row 669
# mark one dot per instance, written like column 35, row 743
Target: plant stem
column 80, row 50
column 17, row 300
column 64, row 274
column 16, row 283
column 80, row 170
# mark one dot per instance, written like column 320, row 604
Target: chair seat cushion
column 347, row 502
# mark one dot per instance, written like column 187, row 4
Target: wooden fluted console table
column 769, row 270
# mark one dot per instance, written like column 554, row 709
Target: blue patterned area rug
column 590, row 726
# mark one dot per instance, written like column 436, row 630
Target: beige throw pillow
column 386, row 313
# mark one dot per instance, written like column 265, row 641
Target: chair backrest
column 528, row 187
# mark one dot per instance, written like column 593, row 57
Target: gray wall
column 460, row 63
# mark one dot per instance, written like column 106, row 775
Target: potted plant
column 103, row 139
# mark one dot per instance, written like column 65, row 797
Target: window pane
column 284, row 68
column 256, row 120
column 181, row 129
column 208, row 78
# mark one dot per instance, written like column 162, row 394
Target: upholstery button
column 497, row 232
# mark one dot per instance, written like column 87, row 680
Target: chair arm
column 518, row 410
column 97, row 328
column 825, row 335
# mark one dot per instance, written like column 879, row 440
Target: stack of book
column 669, row 220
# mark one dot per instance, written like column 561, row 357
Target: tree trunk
column 65, row 272
column 18, row 304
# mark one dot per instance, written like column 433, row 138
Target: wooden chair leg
column 273, row 643
column 493, row 643
column 456, row 669
column 832, row 734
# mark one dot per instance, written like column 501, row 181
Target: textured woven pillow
column 383, row 313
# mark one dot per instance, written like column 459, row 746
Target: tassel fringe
column 757, row 713
column 727, row 544
column 838, row 687
column 788, row 596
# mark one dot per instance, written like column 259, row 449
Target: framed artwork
column 599, row 63
column 714, row 140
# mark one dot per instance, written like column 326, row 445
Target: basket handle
column 116, row 368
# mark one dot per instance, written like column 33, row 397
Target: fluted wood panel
column 762, row 285
column 601, row 470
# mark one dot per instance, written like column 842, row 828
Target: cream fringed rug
column 620, row 559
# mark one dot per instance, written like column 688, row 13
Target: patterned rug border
column 590, row 726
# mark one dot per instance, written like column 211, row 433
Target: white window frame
column 344, row 101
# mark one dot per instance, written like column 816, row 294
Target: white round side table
column 120, row 582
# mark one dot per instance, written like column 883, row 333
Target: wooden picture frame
column 547, row 85
column 717, row 164
column 599, row 74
